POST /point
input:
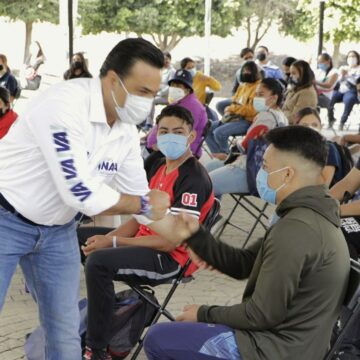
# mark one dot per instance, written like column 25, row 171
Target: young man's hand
column 189, row 313
column 200, row 263
column 160, row 203
column 97, row 242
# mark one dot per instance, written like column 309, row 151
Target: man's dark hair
column 358, row 81
column 305, row 112
column 127, row 52
column 264, row 47
column 306, row 74
column 288, row 61
column 185, row 61
column 178, row 111
column 300, row 140
column 275, row 87
column 245, row 51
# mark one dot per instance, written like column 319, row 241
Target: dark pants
column 221, row 105
column 195, row 341
column 132, row 265
column 349, row 99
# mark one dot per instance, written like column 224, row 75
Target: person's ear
column 192, row 136
column 289, row 175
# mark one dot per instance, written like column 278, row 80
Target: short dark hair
column 275, row 87
column 305, row 112
column 264, row 47
column 245, row 51
column 306, row 74
column 167, row 54
column 185, row 61
column 358, row 81
column 178, row 111
column 288, row 61
column 127, row 52
column 300, row 140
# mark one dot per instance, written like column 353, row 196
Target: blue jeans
column 349, row 99
column 226, row 179
column 50, row 260
column 196, row 341
column 221, row 105
column 217, row 139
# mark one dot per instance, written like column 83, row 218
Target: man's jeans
column 217, row 139
column 50, row 260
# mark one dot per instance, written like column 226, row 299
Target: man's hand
column 96, row 242
column 184, row 227
column 189, row 313
column 160, row 203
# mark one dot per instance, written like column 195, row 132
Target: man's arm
column 350, row 183
column 283, row 261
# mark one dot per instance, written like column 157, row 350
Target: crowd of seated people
column 297, row 273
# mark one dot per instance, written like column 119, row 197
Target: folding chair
column 351, row 308
column 258, row 213
column 210, row 220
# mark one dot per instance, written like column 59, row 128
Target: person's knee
column 94, row 263
column 152, row 341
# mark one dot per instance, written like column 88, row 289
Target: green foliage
column 341, row 20
column 30, row 11
column 160, row 18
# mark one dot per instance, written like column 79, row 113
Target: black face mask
column 247, row 78
column 77, row 65
column 293, row 81
column 1, row 67
column 261, row 56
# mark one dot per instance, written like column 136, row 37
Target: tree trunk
column 28, row 34
column 336, row 54
column 248, row 30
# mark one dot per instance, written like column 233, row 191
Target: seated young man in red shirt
column 7, row 115
column 141, row 256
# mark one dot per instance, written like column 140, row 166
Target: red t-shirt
column 6, row 121
column 190, row 190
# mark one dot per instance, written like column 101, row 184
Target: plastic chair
column 258, row 213
column 351, row 310
column 211, row 219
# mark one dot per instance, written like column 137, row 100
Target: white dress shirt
column 61, row 157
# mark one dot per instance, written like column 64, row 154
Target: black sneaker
column 91, row 354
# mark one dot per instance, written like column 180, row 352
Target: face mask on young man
column 136, row 108
column 265, row 191
column 172, row 146
column 175, row 94
column 261, row 56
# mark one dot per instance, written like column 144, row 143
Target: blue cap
column 184, row 77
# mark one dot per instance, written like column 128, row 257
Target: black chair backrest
column 204, row 135
column 212, row 215
column 353, row 291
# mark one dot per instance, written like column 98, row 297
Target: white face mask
column 351, row 61
column 175, row 94
column 136, row 108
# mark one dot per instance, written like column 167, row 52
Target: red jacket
column 6, row 121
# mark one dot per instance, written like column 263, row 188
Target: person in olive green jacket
column 298, row 272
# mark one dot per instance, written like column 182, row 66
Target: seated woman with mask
column 78, row 68
column 238, row 116
column 182, row 94
column 232, row 178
